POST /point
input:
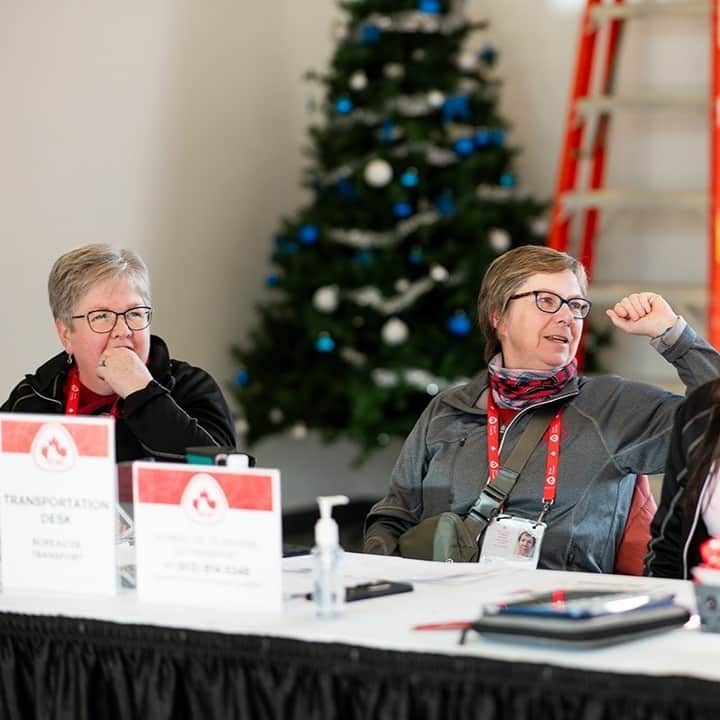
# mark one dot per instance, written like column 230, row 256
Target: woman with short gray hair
column 583, row 440
column 111, row 365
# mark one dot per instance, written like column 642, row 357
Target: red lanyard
column 72, row 401
column 553, row 449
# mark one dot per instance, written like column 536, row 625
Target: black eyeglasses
column 104, row 321
column 550, row 302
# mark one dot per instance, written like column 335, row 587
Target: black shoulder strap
column 494, row 495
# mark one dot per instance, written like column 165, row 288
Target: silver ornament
column 394, row 71
column 499, row 239
column 435, row 98
column 378, row 172
column 394, row 332
column 358, row 80
column 438, row 273
column 327, row 298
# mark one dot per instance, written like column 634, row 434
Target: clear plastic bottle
column 328, row 587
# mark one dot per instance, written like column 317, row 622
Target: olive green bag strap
column 494, row 495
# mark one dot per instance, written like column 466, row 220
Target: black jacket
column 676, row 533
column 181, row 407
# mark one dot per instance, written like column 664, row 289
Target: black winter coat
column 181, row 407
column 677, row 532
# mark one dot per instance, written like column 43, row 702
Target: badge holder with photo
column 512, row 541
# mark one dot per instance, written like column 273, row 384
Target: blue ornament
column 387, row 131
column 482, row 138
column 409, row 178
column 507, row 180
column 346, row 188
column 497, row 136
column 364, row 258
column 402, row 210
column 285, row 246
column 456, row 106
column 415, row 256
column 445, row 204
column 272, row 280
column 459, row 324
column 369, row 34
column 464, row 146
column 308, row 234
column 488, row 54
column 242, row 377
column 432, row 7
column 343, row 105
column 324, row 343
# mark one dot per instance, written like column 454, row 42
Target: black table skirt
column 54, row 667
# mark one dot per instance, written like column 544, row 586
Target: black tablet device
column 580, row 618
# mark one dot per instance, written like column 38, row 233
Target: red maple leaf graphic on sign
column 204, row 502
column 53, row 450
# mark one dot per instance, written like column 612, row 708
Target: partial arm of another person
column 664, row 557
column 695, row 426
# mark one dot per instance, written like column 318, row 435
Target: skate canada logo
column 203, row 500
column 54, row 449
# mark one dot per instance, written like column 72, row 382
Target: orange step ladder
column 584, row 140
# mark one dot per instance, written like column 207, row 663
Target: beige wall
column 176, row 127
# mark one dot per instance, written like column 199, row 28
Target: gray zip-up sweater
column 612, row 429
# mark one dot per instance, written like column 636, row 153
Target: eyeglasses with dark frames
column 104, row 321
column 550, row 302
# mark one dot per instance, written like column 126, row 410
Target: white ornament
column 242, row 425
column 466, row 61
column 378, row 172
column 339, row 30
column 540, row 227
column 438, row 273
column 435, row 98
column 499, row 239
column 299, row 431
column 358, row 80
column 394, row 71
column 276, row 416
column 432, row 389
column 326, row 298
column 402, row 284
column 394, row 332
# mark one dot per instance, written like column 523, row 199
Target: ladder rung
column 648, row 8
column 633, row 198
column 605, row 103
column 606, row 294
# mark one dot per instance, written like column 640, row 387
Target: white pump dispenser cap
column 326, row 529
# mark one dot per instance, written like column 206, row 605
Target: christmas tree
column 413, row 194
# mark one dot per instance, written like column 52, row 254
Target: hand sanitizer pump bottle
column 328, row 589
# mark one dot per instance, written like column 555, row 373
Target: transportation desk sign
column 57, row 503
column 208, row 536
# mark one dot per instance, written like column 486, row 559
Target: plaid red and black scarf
column 516, row 389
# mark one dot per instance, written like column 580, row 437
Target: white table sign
column 208, row 536
column 57, row 503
